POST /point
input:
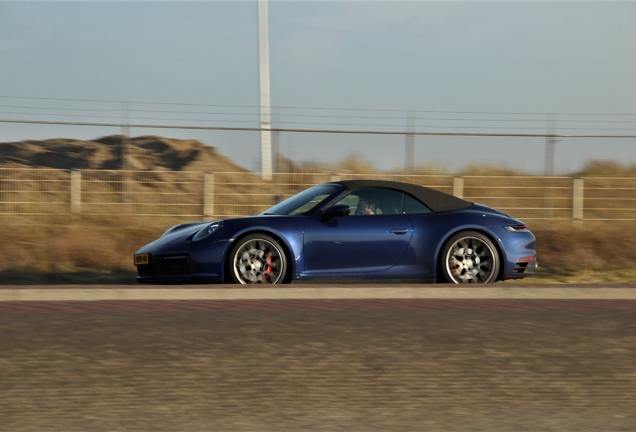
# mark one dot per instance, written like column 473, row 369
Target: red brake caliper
column 269, row 267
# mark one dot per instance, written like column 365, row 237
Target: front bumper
column 172, row 269
column 181, row 262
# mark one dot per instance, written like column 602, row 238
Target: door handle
column 399, row 230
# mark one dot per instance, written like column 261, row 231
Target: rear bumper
column 519, row 254
column 524, row 268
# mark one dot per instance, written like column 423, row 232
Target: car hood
column 177, row 234
column 184, row 229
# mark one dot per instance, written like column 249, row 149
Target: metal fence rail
column 34, row 192
column 140, row 193
column 181, row 195
column 610, row 198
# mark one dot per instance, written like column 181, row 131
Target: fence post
column 76, row 191
column 577, row 202
column 548, row 197
column 208, row 195
column 458, row 187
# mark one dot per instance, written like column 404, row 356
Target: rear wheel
column 257, row 258
column 470, row 257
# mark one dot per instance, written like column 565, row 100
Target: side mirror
column 337, row 210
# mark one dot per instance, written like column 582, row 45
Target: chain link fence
column 181, row 196
column 162, row 181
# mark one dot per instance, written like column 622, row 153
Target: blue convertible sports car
column 360, row 230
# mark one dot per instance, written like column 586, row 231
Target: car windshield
column 302, row 202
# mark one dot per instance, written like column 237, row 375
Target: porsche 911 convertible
column 347, row 231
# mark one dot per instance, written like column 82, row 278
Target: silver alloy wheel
column 259, row 260
column 471, row 259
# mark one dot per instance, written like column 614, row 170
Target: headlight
column 207, row 230
column 517, row 228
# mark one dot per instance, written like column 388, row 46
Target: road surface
column 323, row 358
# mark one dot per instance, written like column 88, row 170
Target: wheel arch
column 227, row 278
column 439, row 277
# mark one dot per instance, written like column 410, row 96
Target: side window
column 411, row 205
column 373, row 201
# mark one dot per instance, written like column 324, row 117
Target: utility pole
column 125, row 149
column 266, row 125
column 125, row 132
column 275, row 140
column 550, row 141
column 409, row 144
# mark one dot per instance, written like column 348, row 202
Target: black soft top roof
column 435, row 200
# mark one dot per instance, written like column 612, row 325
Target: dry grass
column 594, row 253
column 100, row 251
column 607, row 168
column 357, row 163
column 83, row 251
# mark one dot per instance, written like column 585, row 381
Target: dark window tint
column 411, row 205
column 373, row 201
column 302, row 202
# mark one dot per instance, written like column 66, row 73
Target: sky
column 452, row 66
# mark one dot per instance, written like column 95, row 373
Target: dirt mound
column 110, row 153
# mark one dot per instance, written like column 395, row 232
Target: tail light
column 527, row 259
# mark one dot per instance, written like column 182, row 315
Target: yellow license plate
column 142, row 259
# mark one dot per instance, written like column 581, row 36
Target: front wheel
column 470, row 257
column 257, row 259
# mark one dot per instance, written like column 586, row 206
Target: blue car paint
column 511, row 245
column 355, row 244
column 334, row 250
column 287, row 229
column 205, row 256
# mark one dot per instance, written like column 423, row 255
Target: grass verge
column 100, row 252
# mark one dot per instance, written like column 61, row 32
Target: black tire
column 257, row 258
column 469, row 257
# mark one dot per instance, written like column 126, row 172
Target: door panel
column 355, row 244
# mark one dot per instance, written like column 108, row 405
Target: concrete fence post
column 577, row 202
column 458, row 187
column 208, row 195
column 76, row 191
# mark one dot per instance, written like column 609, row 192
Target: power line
column 293, row 115
column 59, row 109
column 309, row 123
column 328, row 131
column 312, row 108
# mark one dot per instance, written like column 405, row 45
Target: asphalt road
column 351, row 364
